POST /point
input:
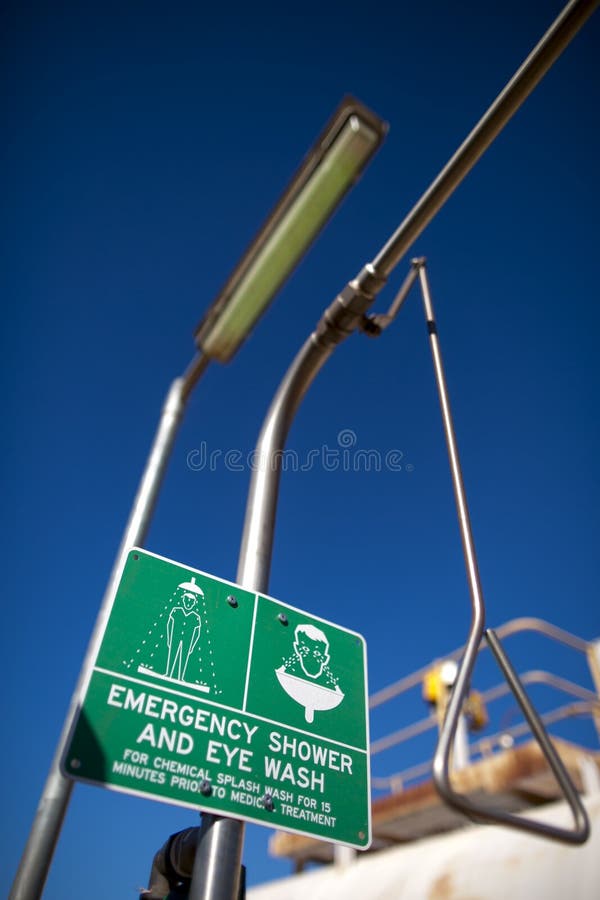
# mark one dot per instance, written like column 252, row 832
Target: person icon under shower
column 183, row 629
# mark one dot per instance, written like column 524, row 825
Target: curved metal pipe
column 219, row 852
column 257, row 539
column 339, row 321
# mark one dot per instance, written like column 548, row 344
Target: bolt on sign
column 207, row 695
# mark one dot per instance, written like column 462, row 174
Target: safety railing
column 585, row 703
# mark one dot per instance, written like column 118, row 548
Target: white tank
column 478, row 862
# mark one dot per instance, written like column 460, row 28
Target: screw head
column 232, row 601
column 283, row 618
column 205, row 788
column 268, row 802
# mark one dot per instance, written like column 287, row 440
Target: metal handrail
column 534, row 676
column 570, row 710
column 403, row 734
column 530, row 623
column 540, row 676
column 512, row 627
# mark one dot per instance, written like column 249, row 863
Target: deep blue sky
column 143, row 144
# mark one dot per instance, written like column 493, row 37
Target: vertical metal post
column 39, row 850
column 343, row 856
column 218, row 857
column 218, row 860
column 590, row 776
column 460, row 757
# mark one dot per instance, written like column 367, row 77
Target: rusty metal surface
column 517, row 778
column 475, row 863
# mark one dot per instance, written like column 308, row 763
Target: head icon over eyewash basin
column 310, row 659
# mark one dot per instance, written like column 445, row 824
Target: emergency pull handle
column 441, row 763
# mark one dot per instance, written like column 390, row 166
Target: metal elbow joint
column 346, row 312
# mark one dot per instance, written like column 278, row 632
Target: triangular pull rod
column 441, row 762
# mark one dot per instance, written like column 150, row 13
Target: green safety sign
column 207, row 695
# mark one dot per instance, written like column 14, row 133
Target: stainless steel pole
column 541, row 58
column 218, row 861
column 219, row 853
column 257, row 539
column 37, row 856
